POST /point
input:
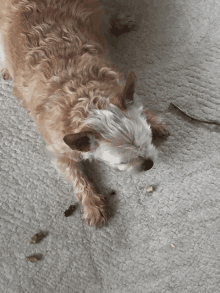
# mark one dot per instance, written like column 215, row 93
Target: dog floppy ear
column 128, row 94
column 80, row 141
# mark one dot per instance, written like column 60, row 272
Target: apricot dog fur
column 55, row 53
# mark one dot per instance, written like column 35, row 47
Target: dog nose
column 147, row 164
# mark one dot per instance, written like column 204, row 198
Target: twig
column 196, row 119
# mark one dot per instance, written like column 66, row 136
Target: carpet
column 161, row 242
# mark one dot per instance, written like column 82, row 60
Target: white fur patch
column 107, row 156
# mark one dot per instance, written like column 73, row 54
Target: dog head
column 119, row 136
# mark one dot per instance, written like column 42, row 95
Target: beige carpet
column 164, row 242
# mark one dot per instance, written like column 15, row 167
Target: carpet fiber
column 165, row 241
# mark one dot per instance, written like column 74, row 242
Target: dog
column 55, row 52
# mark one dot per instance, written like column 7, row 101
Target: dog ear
column 80, row 141
column 128, row 94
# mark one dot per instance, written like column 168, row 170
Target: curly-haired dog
column 55, row 53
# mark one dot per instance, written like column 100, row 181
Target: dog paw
column 5, row 73
column 160, row 132
column 122, row 22
column 95, row 214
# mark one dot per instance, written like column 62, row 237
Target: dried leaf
column 37, row 237
column 69, row 211
column 32, row 258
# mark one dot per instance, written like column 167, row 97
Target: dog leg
column 94, row 205
column 159, row 129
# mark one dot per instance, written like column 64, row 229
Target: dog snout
column 147, row 165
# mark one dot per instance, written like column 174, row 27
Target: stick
column 196, row 119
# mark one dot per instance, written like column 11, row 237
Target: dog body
column 55, row 53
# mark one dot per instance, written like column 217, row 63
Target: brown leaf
column 38, row 237
column 32, row 258
column 69, row 211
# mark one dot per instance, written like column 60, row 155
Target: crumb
column 173, row 245
column 150, row 189
column 69, row 211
